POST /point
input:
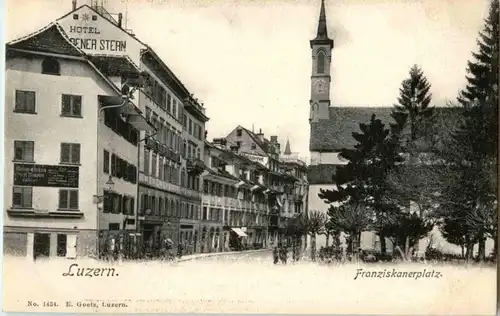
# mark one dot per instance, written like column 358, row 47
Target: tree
column 482, row 71
column 351, row 218
column 413, row 108
column 362, row 181
column 313, row 223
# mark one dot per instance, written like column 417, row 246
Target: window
column 184, row 121
column 254, row 146
column 160, row 168
column 153, row 165
column 75, row 16
column 238, row 144
column 25, row 101
column 22, row 197
column 146, row 162
column 105, row 167
column 239, row 132
column 50, row 66
column 24, row 150
column 70, row 153
column 61, row 245
column 169, row 103
column 68, row 199
column 71, row 105
column 174, row 108
column 320, row 63
column 190, row 128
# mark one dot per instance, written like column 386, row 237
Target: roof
column 322, row 33
column 50, row 39
column 334, row 134
column 115, row 65
column 264, row 144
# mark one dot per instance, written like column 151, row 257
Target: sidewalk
column 213, row 254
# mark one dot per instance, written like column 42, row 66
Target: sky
column 249, row 61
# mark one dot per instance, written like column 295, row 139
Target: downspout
column 101, row 110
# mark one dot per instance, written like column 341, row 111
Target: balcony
column 195, row 166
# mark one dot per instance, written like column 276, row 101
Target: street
column 248, row 257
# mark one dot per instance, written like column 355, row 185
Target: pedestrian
column 275, row 255
column 180, row 248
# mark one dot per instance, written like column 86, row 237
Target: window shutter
column 125, row 205
column 66, row 104
column 21, row 100
column 65, row 153
column 77, row 105
column 106, row 202
column 27, row 197
column 132, row 206
column 75, row 153
column 113, row 165
column 71, row 243
column 63, row 199
column 73, row 199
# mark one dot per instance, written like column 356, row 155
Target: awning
column 239, row 232
column 140, row 123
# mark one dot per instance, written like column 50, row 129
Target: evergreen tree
column 482, row 71
column 472, row 152
column 361, row 183
column 413, row 109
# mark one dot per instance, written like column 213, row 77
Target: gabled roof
column 334, row 134
column 264, row 144
column 50, row 39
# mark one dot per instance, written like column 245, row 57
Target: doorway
column 41, row 245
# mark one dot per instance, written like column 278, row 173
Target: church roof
column 335, row 133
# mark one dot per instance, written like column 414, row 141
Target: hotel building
column 70, row 147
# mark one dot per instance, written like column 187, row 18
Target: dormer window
column 50, row 66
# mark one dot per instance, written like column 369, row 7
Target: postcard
column 273, row 156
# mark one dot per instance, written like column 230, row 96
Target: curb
column 214, row 254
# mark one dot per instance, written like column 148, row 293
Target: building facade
column 281, row 175
column 63, row 160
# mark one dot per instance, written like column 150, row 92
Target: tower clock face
column 320, row 86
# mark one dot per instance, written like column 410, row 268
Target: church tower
column 321, row 48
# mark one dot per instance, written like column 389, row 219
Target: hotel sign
column 46, row 175
column 77, row 36
column 256, row 158
column 95, row 34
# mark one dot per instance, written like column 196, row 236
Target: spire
column 322, row 34
column 287, row 148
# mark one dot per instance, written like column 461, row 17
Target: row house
column 280, row 177
column 233, row 189
column 171, row 164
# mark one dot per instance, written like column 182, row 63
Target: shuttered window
column 70, row 153
column 68, row 199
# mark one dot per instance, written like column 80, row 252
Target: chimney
column 74, row 5
column 274, row 139
column 260, row 135
column 120, row 16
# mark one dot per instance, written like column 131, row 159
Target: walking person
column 275, row 255
column 180, row 248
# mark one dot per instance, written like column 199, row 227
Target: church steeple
column 287, row 148
column 322, row 34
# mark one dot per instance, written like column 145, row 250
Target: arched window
column 321, row 63
column 50, row 66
